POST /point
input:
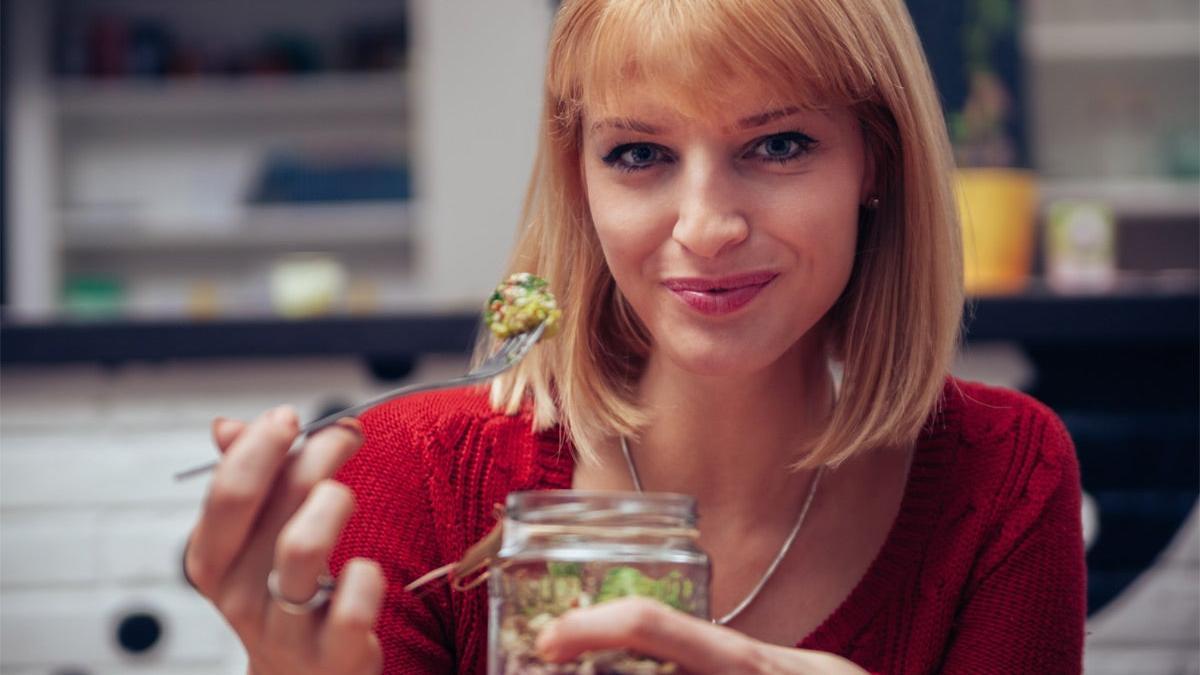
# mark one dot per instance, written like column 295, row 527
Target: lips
column 730, row 283
column 719, row 295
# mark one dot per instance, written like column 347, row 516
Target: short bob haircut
column 896, row 326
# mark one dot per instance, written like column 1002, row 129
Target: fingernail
column 285, row 414
column 352, row 425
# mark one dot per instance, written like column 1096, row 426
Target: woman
column 729, row 197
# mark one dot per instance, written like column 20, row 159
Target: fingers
column 225, row 431
column 346, row 639
column 306, row 541
column 301, row 552
column 324, row 454
column 321, row 457
column 239, row 486
column 271, row 509
column 651, row 628
column 245, row 584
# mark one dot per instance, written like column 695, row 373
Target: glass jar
column 563, row 549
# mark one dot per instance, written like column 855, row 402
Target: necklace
column 783, row 550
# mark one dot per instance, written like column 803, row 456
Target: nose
column 710, row 219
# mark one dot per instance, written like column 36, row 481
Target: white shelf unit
column 261, row 228
column 151, row 178
column 1131, row 198
column 166, row 170
column 1112, row 40
column 296, row 96
column 1114, row 104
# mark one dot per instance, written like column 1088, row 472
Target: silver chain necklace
column 783, row 550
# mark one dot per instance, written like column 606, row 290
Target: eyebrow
column 626, row 123
column 751, row 122
column 761, row 119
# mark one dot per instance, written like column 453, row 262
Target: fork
column 509, row 354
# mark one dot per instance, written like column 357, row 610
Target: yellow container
column 998, row 210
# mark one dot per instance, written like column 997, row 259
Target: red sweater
column 982, row 572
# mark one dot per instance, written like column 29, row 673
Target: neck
column 729, row 440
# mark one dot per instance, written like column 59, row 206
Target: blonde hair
column 896, row 326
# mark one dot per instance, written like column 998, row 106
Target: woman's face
column 730, row 236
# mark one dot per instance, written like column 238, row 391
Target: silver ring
column 325, row 586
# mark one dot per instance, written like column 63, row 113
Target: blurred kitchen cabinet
column 175, row 159
column 1114, row 92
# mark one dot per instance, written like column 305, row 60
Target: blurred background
column 208, row 207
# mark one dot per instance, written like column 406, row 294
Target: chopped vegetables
column 673, row 589
column 520, row 304
column 535, row 594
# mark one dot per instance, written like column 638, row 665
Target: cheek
column 837, row 243
column 833, row 227
column 841, row 237
column 817, row 218
column 816, row 225
column 626, row 226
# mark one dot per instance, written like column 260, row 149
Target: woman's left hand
column 698, row 647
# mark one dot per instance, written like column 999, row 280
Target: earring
column 872, row 203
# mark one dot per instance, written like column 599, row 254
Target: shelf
column 1039, row 319
column 372, row 337
column 1113, row 40
column 210, row 97
column 1130, row 197
column 256, row 228
column 1043, row 317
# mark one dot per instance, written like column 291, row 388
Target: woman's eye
column 633, row 157
column 783, row 147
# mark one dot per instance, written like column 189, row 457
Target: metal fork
column 509, row 354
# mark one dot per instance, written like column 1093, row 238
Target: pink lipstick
column 719, row 295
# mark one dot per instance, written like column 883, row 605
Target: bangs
column 692, row 51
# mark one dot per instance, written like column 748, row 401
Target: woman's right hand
column 268, row 510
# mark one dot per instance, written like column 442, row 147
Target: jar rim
column 540, row 505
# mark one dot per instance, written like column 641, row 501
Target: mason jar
column 563, row 549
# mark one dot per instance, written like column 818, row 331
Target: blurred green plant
column 979, row 131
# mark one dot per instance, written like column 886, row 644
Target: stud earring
column 872, row 203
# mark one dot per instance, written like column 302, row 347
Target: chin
column 720, row 360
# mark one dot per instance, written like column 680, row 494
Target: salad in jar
column 533, row 594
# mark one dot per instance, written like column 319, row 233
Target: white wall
column 479, row 66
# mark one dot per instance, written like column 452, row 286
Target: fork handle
column 510, row 352
column 353, row 411
column 356, row 410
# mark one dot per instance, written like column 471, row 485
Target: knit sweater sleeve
column 1023, row 609
column 393, row 524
